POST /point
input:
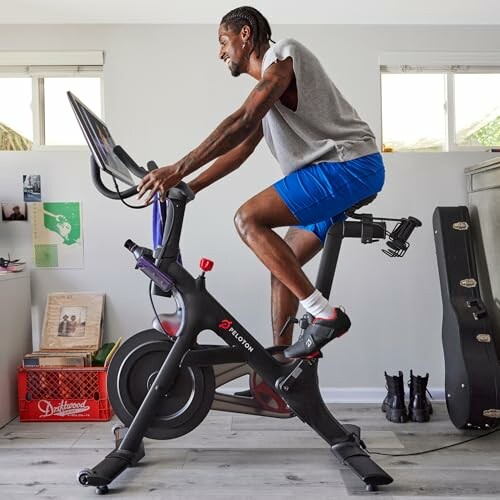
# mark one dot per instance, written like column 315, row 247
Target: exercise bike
column 162, row 383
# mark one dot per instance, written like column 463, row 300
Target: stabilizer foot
column 109, row 468
column 349, row 453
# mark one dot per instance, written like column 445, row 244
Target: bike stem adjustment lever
column 206, row 265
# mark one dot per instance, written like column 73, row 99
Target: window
column 414, row 112
column 16, row 117
column 446, row 108
column 60, row 126
column 477, row 109
column 34, row 108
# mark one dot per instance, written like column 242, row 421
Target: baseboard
column 366, row 394
column 352, row 394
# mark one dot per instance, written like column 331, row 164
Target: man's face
column 231, row 49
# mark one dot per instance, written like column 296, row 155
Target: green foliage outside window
column 10, row 140
column 489, row 135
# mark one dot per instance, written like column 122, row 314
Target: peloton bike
column 162, row 383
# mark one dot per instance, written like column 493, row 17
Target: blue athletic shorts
column 319, row 194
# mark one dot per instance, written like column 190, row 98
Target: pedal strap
column 321, row 333
column 315, row 336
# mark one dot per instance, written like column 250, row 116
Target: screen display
column 100, row 142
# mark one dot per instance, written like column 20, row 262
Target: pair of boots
column 419, row 407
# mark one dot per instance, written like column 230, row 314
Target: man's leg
column 255, row 221
column 305, row 245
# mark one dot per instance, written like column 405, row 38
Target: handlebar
column 95, row 172
column 180, row 191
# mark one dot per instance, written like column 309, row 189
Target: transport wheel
column 83, row 477
column 133, row 370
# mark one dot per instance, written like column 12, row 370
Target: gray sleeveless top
column 325, row 127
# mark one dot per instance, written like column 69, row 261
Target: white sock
column 318, row 306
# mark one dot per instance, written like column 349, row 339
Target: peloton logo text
column 63, row 409
column 225, row 324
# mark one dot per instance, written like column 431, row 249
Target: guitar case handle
column 480, row 311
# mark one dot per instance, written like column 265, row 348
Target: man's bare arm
column 227, row 136
column 240, row 124
column 228, row 162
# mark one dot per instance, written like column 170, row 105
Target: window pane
column 477, row 109
column 16, row 117
column 61, row 127
column 413, row 112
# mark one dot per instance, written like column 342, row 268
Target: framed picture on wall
column 14, row 212
column 73, row 321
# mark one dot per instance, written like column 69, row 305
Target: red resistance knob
column 206, row 264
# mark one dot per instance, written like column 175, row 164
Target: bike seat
column 360, row 204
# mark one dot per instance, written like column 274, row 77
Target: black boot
column 394, row 403
column 419, row 407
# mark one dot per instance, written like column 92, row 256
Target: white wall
column 164, row 91
column 444, row 12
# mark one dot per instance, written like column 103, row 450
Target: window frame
column 41, row 65
column 39, row 114
column 448, row 64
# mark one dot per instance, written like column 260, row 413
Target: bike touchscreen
column 100, row 142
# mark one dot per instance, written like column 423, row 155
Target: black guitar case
column 472, row 369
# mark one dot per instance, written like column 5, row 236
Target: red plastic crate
column 63, row 395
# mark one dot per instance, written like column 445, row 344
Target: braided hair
column 248, row 16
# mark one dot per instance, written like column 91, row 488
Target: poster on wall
column 57, row 235
column 32, row 188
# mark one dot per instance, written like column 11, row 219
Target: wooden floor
column 237, row 456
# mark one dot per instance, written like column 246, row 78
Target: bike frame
column 296, row 382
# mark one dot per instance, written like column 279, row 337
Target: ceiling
column 462, row 12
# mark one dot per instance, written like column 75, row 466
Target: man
column 73, row 324
column 64, row 327
column 327, row 153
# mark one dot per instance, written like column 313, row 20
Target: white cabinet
column 15, row 337
column 483, row 185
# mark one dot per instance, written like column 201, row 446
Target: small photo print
column 72, row 322
column 32, row 188
column 14, row 211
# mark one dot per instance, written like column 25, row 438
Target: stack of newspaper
column 46, row 359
